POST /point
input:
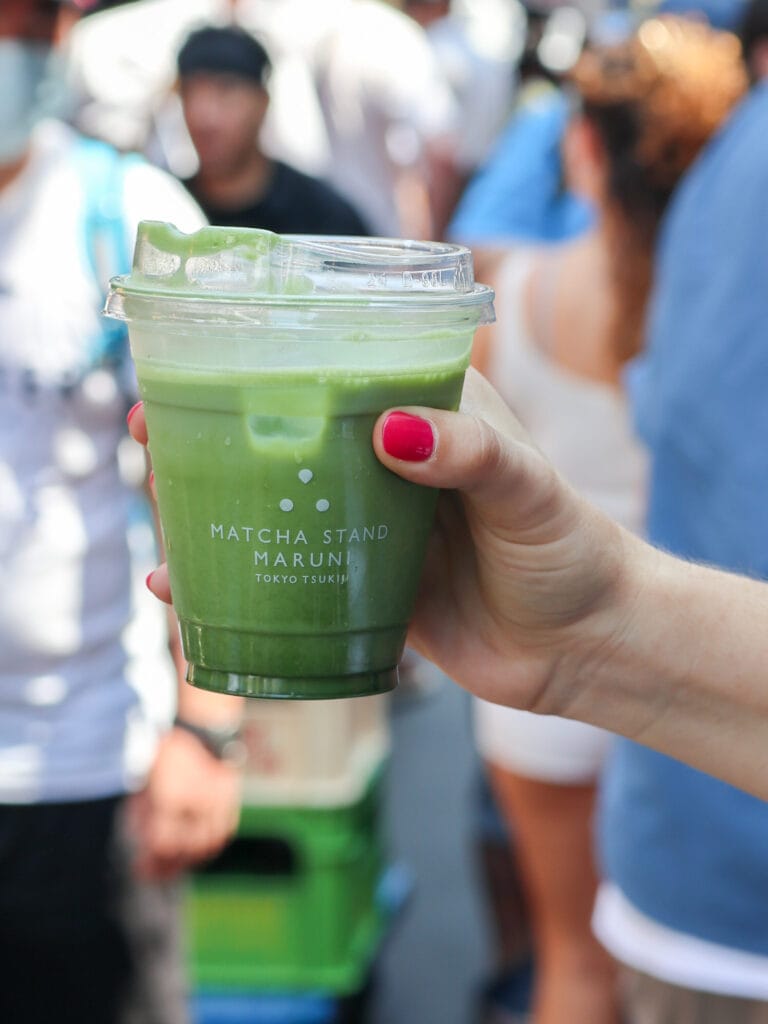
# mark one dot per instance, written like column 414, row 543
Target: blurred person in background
column 476, row 44
column 121, row 72
column 103, row 797
column 683, row 903
column 341, row 108
column 519, row 194
column 569, row 319
column 222, row 83
column 389, row 115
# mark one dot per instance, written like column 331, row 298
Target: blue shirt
column 687, row 850
column 519, row 195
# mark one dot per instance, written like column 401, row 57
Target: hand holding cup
column 522, row 577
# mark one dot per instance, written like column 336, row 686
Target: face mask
column 27, row 93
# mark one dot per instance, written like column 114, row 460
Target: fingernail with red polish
column 148, row 580
column 407, row 437
column 151, row 477
column 131, row 411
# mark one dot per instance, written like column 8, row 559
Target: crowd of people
column 619, row 207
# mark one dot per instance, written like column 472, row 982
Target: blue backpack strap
column 104, row 239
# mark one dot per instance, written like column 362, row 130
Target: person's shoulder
column 287, row 176
column 97, row 164
column 743, row 138
column 750, row 115
column 138, row 169
column 532, row 132
column 738, row 148
column 135, row 171
column 56, row 138
column 327, row 203
column 722, row 195
column 153, row 194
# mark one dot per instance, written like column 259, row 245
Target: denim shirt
column 687, row 850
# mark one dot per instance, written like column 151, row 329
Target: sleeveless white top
column 583, row 427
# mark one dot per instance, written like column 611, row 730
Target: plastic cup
column 263, row 362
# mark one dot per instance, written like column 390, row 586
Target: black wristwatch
column 224, row 742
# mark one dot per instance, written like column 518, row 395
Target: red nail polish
column 131, row 411
column 151, row 477
column 407, row 437
column 149, row 578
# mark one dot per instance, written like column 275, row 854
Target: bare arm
column 532, row 598
column 687, row 673
column 190, row 804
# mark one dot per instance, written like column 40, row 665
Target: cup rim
column 255, row 268
column 478, row 294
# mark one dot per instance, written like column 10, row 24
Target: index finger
column 137, row 424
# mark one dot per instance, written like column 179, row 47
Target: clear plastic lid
column 245, row 265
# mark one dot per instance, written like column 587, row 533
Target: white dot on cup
column 286, row 505
column 322, row 505
column 305, row 475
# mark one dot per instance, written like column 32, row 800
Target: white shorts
column 540, row 747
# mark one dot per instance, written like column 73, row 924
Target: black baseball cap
column 227, row 50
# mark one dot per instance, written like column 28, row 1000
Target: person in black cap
column 222, row 77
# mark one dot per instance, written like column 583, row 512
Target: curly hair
column 654, row 101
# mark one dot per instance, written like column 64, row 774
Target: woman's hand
column 532, row 598
column 524, row 581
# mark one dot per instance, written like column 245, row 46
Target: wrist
column 598, row 660
column 624, row 677
column 224, row 742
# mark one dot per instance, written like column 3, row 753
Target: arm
column 190, row 804
column 557, row 610
column 686, row 674
column 532, row 598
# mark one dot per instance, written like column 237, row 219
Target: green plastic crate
column 291, row 904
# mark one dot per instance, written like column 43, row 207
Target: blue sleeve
column 519, row 194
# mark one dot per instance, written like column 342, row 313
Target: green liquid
column 294, row 554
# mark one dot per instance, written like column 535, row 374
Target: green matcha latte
column 263, row 363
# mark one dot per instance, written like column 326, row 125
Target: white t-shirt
column 584, row 428
column 77, row 663
column 675, row 957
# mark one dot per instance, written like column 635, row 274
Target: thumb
column 482, row 451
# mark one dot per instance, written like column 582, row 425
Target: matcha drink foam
column 263, row 363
